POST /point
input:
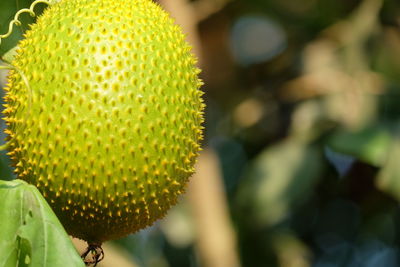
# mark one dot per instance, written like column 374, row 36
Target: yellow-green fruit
column 104, row 114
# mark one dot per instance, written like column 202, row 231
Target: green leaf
column 389, row 176
column 10, row 54
column 282, row 177
column 369, row 145
column 30, row 233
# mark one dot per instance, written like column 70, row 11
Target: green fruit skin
column 104, row 114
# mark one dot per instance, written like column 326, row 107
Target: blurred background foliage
column 301, row 161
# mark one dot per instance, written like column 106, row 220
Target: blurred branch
column 205, row 8
column 355, row 31
column 185, row 16
column 359, row 26
column 189, row 14
column 336, row 67
column 216, row 240
column 200, row 9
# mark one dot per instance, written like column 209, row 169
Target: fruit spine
column 104, row 113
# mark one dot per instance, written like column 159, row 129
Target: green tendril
column 16, row 20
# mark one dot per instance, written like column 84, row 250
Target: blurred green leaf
column 369, row 145
column 30, row 233
column 281, row 178
column 290, row 250
column 389, row 176
column 10, row 54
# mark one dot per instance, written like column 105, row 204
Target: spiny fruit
column 104, row 114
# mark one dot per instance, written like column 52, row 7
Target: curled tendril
column 16, row 20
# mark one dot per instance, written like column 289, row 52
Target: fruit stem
column 96, row 254
column 16, row 20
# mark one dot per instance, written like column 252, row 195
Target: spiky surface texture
column 104, row 114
